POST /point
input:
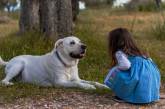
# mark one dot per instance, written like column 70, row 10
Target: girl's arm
column 122, row 60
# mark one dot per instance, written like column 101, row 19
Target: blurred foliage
column 8, row 4
column 146, row 5
column 98, row 3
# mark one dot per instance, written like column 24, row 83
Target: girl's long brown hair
column 121, row 39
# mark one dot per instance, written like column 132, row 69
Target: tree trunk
column 110, row 2
column 29, row 18
column 158, row 3
column 75, row 9
column 51, row 17
column 65, row 21
column 48, row 17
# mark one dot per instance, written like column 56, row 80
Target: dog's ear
column 58, row 43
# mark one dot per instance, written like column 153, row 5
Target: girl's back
column 139, row 84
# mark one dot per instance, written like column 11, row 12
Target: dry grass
column 8, row 28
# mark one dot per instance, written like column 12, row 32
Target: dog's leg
column 11, row 73
column 97, row 84
column 75, row 84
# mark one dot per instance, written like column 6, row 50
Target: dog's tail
column 2, row 62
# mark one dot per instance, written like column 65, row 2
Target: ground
column 76, row 100
column 92, row 28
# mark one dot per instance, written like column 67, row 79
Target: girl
column 134, row 77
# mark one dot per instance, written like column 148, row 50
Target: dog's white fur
column 48, row 70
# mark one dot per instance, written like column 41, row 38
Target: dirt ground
column 76, row 100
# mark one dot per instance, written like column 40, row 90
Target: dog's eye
column 72, row 43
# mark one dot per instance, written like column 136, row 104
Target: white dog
column 57, row 68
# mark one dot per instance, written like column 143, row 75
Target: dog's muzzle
column 81, row 54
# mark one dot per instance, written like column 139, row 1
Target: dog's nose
column 83, row 46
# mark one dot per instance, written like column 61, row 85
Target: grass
column 92, row 28
column 158, row 29
column 150, row 6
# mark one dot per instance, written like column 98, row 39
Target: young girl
column 134, row 77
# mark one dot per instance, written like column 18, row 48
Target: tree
column 110, row 2
column 2, row 4
column 65, row 18
column 75, row 9
column 51, row 17
column 158, row 3
column 56, row 17
column 29, row 18
column 48, row 17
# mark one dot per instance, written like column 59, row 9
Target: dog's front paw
column 101, row 86
column 89, row 87
column 6, row 83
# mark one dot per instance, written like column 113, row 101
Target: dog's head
column 71, row 46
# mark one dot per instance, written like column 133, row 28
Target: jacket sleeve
column 122, row 60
